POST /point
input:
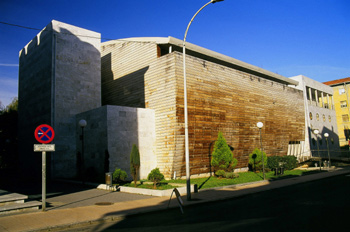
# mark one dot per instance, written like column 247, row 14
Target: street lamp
column 82, row 124
column 316, row 132
column 326, row 135
column 187, row 153
column 260, row 125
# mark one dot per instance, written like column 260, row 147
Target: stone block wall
column 59, row 76
column 95, row 144
column 34, row 99
column 128, row 126
column 77, row 87
column 110, row 134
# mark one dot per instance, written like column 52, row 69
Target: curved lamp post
column 316, row 132
column 187, row 153
column 260, row 125
column 326, row 135
column 82, row 124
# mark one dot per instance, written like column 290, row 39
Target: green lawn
column 161, row 186
column 244, row 177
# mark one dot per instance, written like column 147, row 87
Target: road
column 321, row 205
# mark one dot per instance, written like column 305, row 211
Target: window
column 318, row 117
column 341, row 91
column 324, row 118
column 343, row 104
column 345, row 117
column 329, row 118
column 310, row 116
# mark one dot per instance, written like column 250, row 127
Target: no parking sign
column 44, row 133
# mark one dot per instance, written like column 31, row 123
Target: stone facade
column 59, row 76
column 109, row 135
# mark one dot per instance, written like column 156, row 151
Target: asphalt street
column 322, row 205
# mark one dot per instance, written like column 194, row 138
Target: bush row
column 287, row 162
column 272, row 162
column 155, row 176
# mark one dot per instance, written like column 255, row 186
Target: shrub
column 231, row 175
column 155, row 176
column 255, row 159
column 222, row 157
column 119, row 175
column 134, row 162
column 220, row 173
column 273, row 162
column 290, row 162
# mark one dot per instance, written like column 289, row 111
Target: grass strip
column 244, row 177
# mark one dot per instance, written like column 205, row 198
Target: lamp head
column 260, row 124
column 326, row 135
column 82, row 123
column 316, row 131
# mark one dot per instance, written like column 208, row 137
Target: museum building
column 131, row 91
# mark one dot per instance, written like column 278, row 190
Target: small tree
column 222, row 157
column 255, row 159
column 134, row 162
column 119, row 175
column 155, row 176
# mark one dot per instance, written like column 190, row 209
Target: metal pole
column 187, row 153
column 262, row 154
column 329, row 156
column 82, row 155
column 318, row 151
column 43, row 180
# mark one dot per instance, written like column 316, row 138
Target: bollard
column 109, row 181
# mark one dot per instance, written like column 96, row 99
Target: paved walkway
column 59, row 218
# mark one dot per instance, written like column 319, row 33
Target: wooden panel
column 227, row 100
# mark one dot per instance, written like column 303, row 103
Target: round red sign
column 44, row 133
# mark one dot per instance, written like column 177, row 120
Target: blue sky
column 288, row 37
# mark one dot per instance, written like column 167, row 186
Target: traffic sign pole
column 43, row 188
column 44, row 134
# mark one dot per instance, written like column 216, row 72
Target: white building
column 319, row 114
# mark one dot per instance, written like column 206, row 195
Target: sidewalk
column 70, row 217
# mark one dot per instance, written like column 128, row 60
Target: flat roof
column 337, row 82
column 212, row 56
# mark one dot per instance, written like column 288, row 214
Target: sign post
column 44, row 134
column 43, row 181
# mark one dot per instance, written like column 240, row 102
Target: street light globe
column 326, row 135
column 260, row 125
column 82, row 123
column 316, row 131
